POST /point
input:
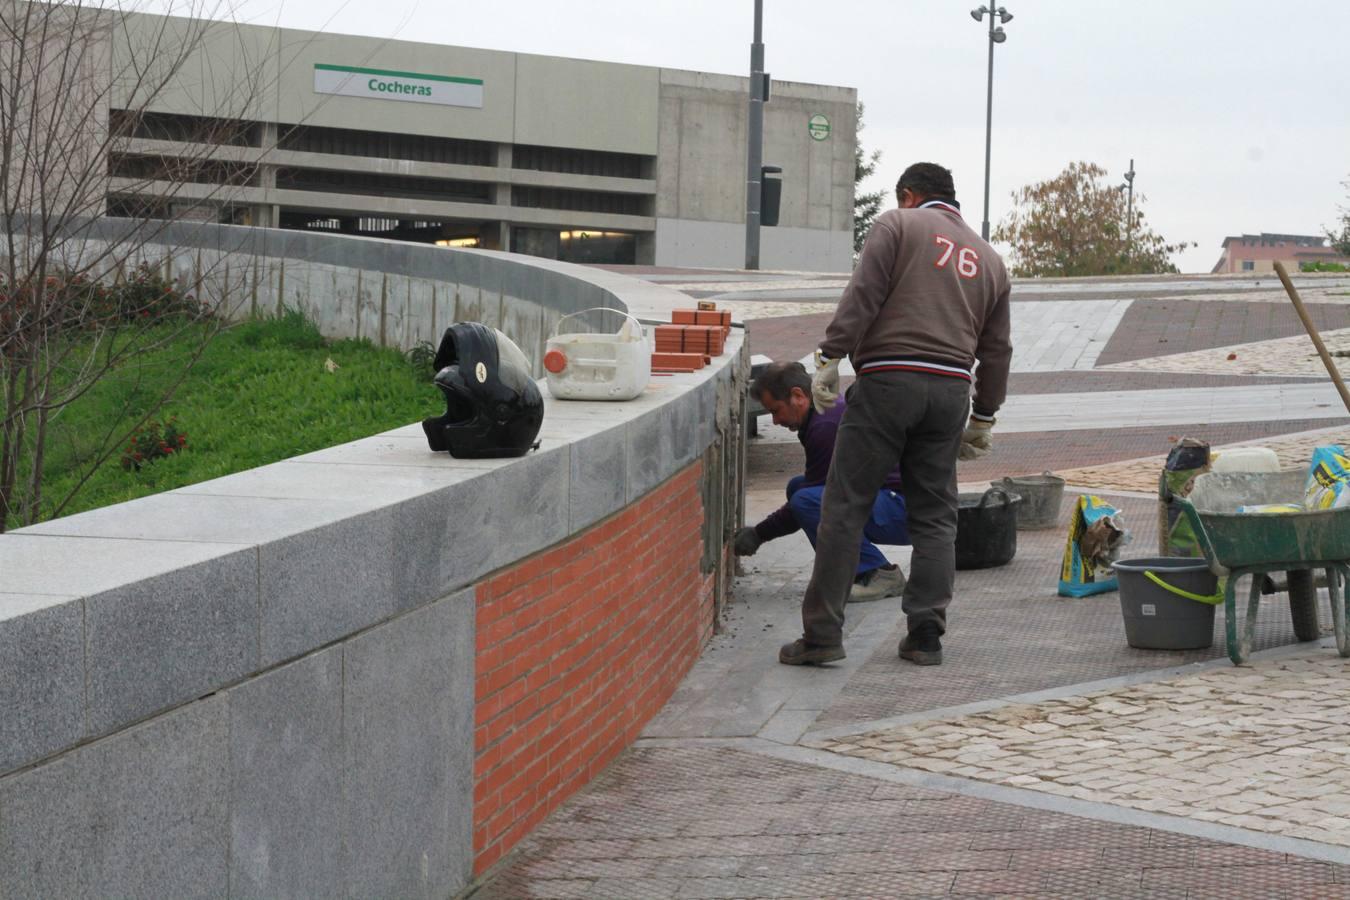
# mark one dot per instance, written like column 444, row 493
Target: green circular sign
column 818, row 127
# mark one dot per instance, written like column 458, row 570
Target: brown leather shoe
column 800, row 653
column 923, row 646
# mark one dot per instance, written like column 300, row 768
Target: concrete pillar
column 267, row 215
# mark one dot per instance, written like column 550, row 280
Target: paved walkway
column 1045, row 757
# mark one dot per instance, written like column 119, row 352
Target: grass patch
column 261, row 392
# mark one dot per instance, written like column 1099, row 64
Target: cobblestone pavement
column 1045, row 757
column 1294, row 451
column 1264, row 747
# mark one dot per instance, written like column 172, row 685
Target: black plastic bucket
column 986, row 529
column 1157, row 615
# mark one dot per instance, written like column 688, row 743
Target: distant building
column 1258, row 252
column 565, row 158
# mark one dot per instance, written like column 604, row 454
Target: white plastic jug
column 597, row 354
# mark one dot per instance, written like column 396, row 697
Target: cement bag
column 1326, row 487
column 1188, row 460
column 1095, row 541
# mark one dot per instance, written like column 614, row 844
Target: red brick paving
column 1161, row 327
column 696, row 822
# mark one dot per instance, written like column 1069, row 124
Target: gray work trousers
column 916, row 420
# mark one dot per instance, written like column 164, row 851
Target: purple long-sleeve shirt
column 817, row 437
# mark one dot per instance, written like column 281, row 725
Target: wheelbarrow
column 1256, row 544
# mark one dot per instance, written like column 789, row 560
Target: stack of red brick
column 692, row 339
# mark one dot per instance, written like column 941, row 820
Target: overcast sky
column 1236, row 112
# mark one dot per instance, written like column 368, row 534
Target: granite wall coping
column 115, row 615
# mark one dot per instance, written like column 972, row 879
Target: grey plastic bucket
column 1041, row 496
column 1157, row 618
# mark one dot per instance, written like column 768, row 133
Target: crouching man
column 784, row 390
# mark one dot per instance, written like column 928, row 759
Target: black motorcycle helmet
column 492, row 405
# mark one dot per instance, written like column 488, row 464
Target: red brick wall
column 578, row 647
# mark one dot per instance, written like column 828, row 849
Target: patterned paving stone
column 1263, row 747
column 977, row 848
column 1010, row 633
column 1281, row 356
column 1152, row 328
column 1110, row 459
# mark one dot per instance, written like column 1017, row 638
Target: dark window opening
column 576, row 245
column 403, row 186
column 582, row 162
column 448, row 233
column 181, row 171
column 381, row 145
column 184, row 129
column 583, row 201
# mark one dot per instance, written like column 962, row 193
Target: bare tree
column 93, row 171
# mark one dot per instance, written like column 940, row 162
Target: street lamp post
column 755, row 150
column 1128, row 187
column 996, row 36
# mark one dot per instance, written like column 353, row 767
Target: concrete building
column 1259, row 252
column 564, row 158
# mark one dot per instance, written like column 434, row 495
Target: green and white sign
column 818, row 127
column 412, row 87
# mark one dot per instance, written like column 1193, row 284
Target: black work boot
column 800, row 653
column 922, row 646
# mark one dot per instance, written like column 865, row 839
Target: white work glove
column 977, row 440
column 825, row 383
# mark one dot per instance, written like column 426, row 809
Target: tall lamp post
column 996, row 36
column 1128, row 187
column 755, row 150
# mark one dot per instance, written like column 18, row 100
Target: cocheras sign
column 384, row 84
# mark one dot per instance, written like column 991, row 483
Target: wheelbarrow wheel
column 1303, row 604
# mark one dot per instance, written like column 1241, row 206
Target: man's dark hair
column 779, row 379
column 929, row 181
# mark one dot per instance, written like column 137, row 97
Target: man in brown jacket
column 927, row 301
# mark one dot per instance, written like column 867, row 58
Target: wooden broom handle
column 1312, row 333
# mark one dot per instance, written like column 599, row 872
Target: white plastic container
column 597, row 354
column 1245, row 459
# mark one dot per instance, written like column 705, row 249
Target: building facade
column 1259, row 252
column 564, row 158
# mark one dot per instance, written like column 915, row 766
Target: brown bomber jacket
column 928, row 295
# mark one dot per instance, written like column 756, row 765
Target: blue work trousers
column 886, row 525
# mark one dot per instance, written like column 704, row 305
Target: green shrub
column 153, row 440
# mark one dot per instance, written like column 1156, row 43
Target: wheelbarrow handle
column 1198, row 526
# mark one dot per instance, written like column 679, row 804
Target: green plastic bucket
column 1168, row 602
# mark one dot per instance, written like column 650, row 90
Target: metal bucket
column 1042, row 495
column 1168, row 602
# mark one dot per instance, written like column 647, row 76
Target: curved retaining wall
column 366, row 671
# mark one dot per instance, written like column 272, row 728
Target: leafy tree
column 1073, row 224
column 865, row 206
column 1340, row 233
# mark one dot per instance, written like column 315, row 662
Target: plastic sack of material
column 1095, row 540
column 1328, row 479
column 1269, row 508
column 1188, row 460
